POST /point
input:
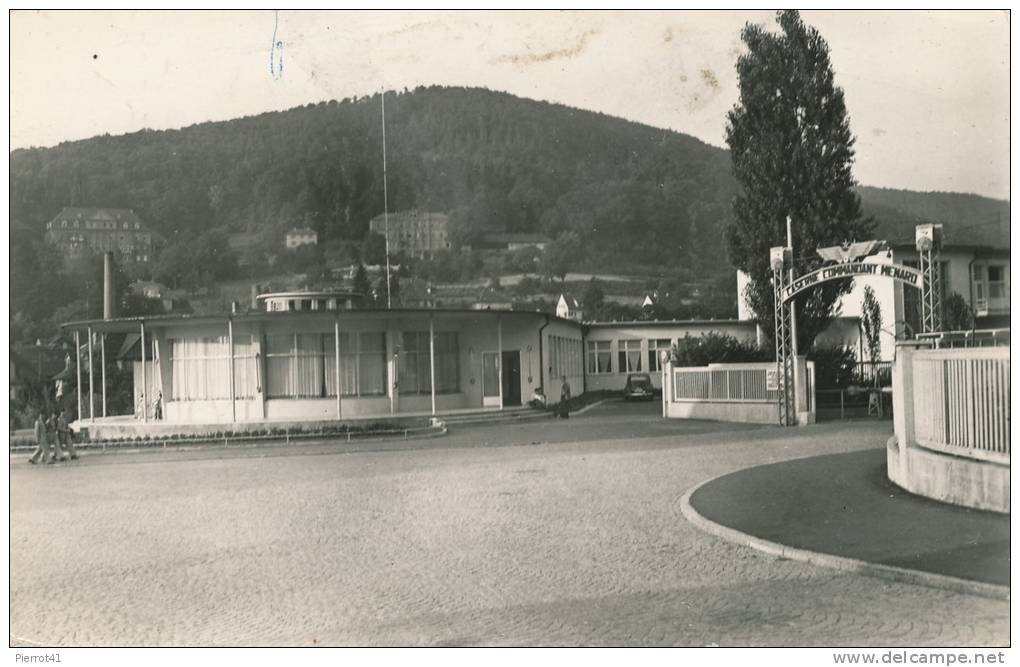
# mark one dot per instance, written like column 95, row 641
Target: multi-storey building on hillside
column 301, row 236
column 115, row 230
column 414, row 233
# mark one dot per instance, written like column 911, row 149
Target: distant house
column 492, row 305
column 513, row 241
column 413, row 233
column 301, row 236
column 120, row 231
column 647, row 302
column 569, row 308
column 150, row 289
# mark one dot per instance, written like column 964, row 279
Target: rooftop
column 119, row 215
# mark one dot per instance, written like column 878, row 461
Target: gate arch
column 846, row 264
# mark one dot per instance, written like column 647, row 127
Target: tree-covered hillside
column 633, row 194
column 493, row 161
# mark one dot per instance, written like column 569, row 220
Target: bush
column 713, row 348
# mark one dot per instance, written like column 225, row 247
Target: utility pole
column 386, row 203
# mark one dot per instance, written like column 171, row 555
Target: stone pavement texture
column 557, row 532
column 843, row 504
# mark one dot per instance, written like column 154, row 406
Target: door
column 490, row 379
column 511, row 378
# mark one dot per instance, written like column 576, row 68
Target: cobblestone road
column 569, row 534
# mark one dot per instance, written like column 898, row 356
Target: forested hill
column 632, row 193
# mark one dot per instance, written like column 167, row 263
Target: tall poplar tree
column 792, row 150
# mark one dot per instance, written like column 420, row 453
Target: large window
column 365, row 356
column 599, row 357
column 304, row 365
column 565, row 356
column 629, row 352
column 295, row 366
column 655, row 348
column 415, row 370
column 200, row 368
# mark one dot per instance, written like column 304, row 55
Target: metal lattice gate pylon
column 784, row 350
column 931, row 290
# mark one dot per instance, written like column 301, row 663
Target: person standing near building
column 65, row 437
column 565, row 398
column 42, row 446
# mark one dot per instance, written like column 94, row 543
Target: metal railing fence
column 961, row 401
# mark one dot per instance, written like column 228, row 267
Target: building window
column 415, row 372
column 363, row 364
column 200, row 368
column 295, row 366
column 599, row 357
column 629, row 352
column 565, row 356
column 997, row 282
column 655, row 348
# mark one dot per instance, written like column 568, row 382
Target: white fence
column 724, row 384
column 961, row 401
column 734, row 392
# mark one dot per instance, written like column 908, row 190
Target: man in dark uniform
column 64, row 436
column 565, row 398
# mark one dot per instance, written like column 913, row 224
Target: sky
column 927, row 92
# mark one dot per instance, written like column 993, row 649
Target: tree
column 374, row 251
column 361, row 284
column 956, row 314
column 792, row 152
column 559, row 255
column 593, row 297
column 871, row 321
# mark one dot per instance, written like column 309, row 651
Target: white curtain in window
column 371, row 364
column 280, row 366
column 199, row 368
column 308, row 366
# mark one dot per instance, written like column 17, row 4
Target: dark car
column 639, row 385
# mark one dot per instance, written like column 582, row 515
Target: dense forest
column 628, row 197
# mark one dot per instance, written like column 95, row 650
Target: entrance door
column 511, row 378
column 490, row 379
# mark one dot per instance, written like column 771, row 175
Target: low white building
column 301, row 236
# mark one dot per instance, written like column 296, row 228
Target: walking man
column 42, row 444
column 64, row 435
column 52, row 436
column 565, row 399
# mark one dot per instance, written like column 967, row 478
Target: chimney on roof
column 109, row 304
column 254, row 296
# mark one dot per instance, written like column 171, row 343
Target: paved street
column 544, row 533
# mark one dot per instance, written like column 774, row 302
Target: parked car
column 639, row 386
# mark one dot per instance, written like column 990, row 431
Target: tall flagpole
column 386, row 203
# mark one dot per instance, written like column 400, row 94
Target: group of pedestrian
column 53, row 438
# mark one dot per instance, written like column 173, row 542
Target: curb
column 255, row 444
column 842, row 563
column 590, row 406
